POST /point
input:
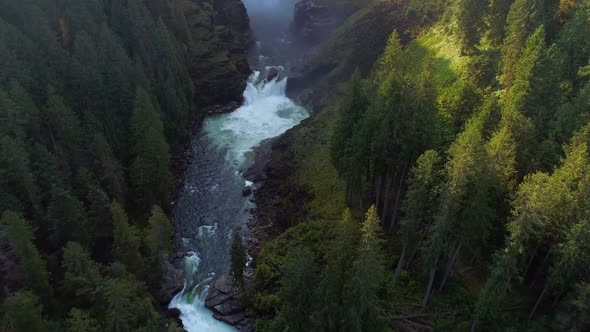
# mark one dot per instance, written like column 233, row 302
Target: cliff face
column 314, row 21
column 218, row 37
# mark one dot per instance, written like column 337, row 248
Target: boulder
column 226, row 303
column 246, row 191
column 173, row 281
column 271, row 74
column 231, row 319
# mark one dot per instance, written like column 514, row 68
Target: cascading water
column 210, row 205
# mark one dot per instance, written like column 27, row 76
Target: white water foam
column 266, row 113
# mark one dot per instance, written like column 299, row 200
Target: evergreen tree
column 159, row 232
column 82, row 277
column 496, row 21
column 107, row 168
column 299, row 275
column 18, row 190
column 523, row 19
column 367, row 278
column 468, row 14
column 63, row 133
column 68, row 220
column 80, row 320
column 150, row 171
column 573, row 312
column 239, row 259
column 332, row 312
column 22, row 312
column 20, row 236
column 419, row 206
column 345, row 155
column 126, row 241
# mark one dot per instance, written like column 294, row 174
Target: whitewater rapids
column 210, row 205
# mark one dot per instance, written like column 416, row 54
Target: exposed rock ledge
column 227, row 303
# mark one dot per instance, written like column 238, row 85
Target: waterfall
column 266, row 113
column 210, row 205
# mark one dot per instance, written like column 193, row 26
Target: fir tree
column 239, row 259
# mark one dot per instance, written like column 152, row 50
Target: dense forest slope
column 93, row 93
column 463, row 145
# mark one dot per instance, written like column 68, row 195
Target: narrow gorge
column 215, row 198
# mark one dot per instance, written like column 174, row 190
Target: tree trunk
column 397, row 199
column 409, row 263
column 430, row 283
column 450, row 266
column 386, row 197
column 530, row 262
column 378, row 198
column 539, row 268
column 398, row 269
column 538, row 302
column 473, row 325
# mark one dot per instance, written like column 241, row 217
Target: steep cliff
column 217, row 34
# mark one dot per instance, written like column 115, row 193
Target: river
column 210, row 204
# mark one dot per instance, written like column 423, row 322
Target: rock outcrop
column 313, row 22
column 173, row 278
column 218, row 38
column 227, row 304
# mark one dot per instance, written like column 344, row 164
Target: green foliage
column 238, row 260
column 82, row 276
column 126, row 241
column 470, row 25
column 332, row 291
column 22, row 312
column 150, row 171
column 497, row 203
column 367, row 278
column 80, row 320
column 299, row 275
column 159, row 233
column 20, row 236
column 573, row 312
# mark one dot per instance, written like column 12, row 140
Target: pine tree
column 18, row 191
column 82, row 276
column 63, row 134
column 22, row 312
column 523, row 19
column 344, row 153
column 298, row 281
column 332, row 313
column 20, row 236
column 80, row 320
column 419, row 206
column 468, row 14
column 108, row 169
column 150, row 171
column 126, row 241
column 159, row 232
column 68, row 220
column 158, row 239
column 496, row 21
column 572, row 314
column 464, row 215
column 367, row 278
column 239, row 259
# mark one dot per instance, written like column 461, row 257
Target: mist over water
column 270, row 20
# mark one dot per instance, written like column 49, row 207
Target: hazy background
column 270, row 19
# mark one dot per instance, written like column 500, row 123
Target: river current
column 210, row 204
